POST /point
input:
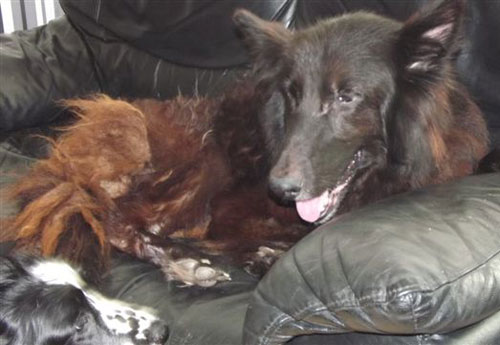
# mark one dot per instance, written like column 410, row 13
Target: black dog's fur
column 361, row 107
column 37, row 313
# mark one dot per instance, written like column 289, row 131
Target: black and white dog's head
column 47, row 302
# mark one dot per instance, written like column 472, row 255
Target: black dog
column 45, row 302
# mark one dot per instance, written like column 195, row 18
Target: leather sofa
column 419, row 268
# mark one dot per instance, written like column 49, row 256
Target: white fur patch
column 119, row 316
column 439, row 33
column 54, row 272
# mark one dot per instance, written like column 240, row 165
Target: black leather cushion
column 424, row 262
column 189, row 32
column 485, row 332
column 201, row 33
column 38, row 67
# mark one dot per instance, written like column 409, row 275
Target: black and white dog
column 45, row 301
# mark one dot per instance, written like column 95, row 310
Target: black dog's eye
column 81, row 321
column 341, row 95
column 344, row 98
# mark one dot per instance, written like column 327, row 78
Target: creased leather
column 421, row 263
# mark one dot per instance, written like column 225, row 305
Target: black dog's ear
column 430, row 36
column 266, row 40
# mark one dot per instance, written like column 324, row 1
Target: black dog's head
column 332, row 90
column 37, row 309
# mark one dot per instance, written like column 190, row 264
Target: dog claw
column 194, row 272
column 205, row 261
column 264, row 251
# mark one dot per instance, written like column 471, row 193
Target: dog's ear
column 430, row 36
column 266, row 40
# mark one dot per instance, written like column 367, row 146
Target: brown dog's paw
column 261, row 261
column 194, row 272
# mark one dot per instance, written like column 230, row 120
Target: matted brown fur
column 146, row 167
column 65, row 192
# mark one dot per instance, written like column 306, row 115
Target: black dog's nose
column 157, row 333
column 285, row 188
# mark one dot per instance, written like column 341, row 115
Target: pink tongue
column 310, row 210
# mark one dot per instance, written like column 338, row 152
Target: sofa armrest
column 422, row 262
column 40, row 66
